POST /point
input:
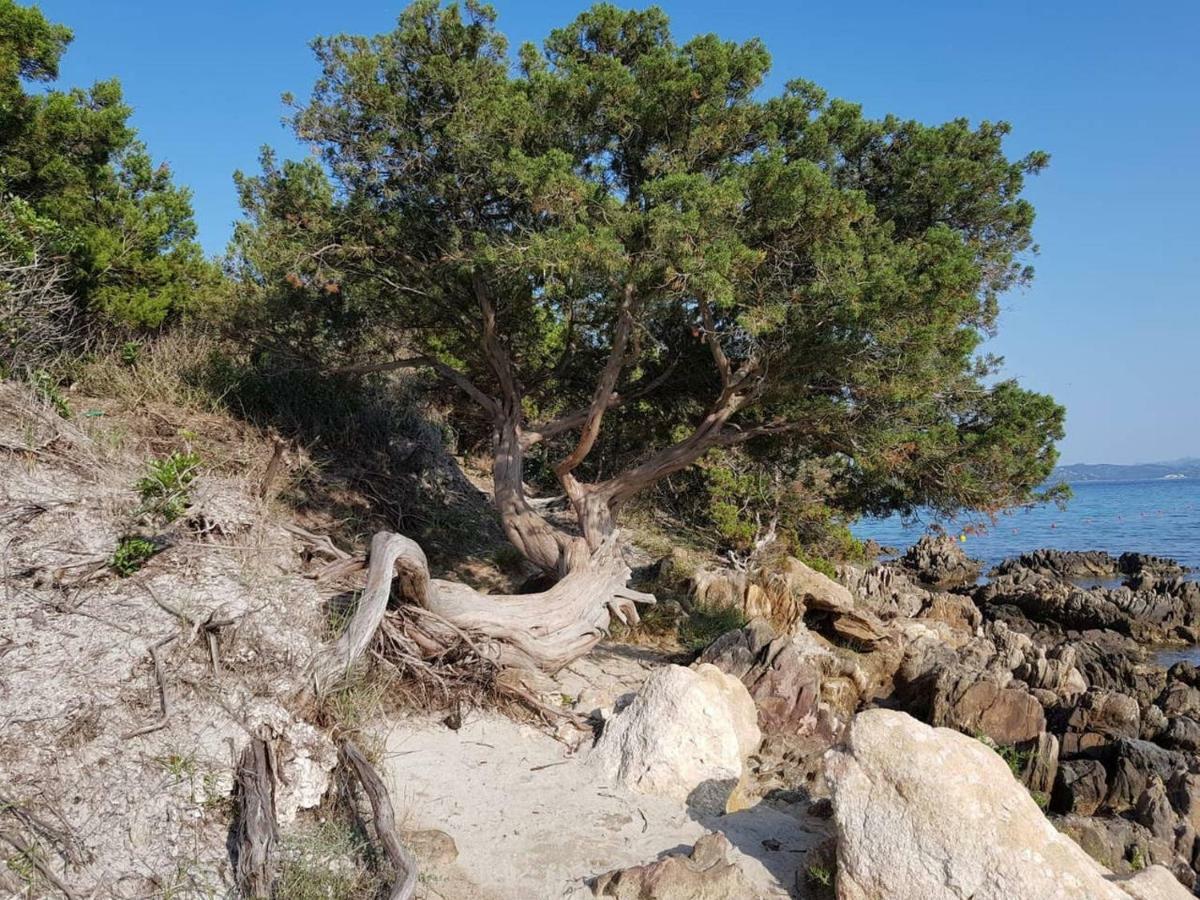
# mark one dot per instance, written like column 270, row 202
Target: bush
column 164, row 488
column 131, row 554
column 705, row 625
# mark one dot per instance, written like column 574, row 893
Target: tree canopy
column 620, row 220
column 125, row 227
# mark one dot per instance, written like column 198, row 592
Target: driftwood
column 257, row 832
column 403, row 862
column 544, row 630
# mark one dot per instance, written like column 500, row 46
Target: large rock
column 1007, row 715
column 782, row 673
column 930, row 813
column 686, row 734
column 938, row 560
column 705, row 873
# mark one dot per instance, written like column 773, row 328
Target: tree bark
column 545, row 630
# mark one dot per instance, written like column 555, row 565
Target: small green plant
column 1015, row 758
column 178, row 765
column 1041, row 798
column 1137, row 861
column 819, row 876
column 165, row 486
column 705, row 625
column 48, row 389
column 131, row 554
column 130, row 351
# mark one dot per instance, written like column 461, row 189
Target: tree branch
column 541, row 431
column 590, row 428
column 422, row 362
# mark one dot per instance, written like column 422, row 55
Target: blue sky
column 1110, row 88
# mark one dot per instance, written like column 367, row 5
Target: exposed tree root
column 403, row 862
column 257, row 832
column 542, row 631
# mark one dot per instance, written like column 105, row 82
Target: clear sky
column 1111, row 88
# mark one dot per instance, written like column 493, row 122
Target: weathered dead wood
column 164, row 705
column 257, row 831
column 544, row 630
column 403, row 863
column 278, row 448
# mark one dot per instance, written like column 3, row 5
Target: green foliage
column 164, row 488
column 819, row 876
column 819, row 564
column 798, row 273
column 125, row 228
column 131, row 554
column 704, row 625
column 1014, row 758
column 1041, row 798
column 47, row 388
column 130, row 352
column 1137, row 861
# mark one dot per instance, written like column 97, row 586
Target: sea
column 1161, row 517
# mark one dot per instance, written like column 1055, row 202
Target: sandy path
column 532, row 822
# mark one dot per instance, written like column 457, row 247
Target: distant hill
column 1172, row 469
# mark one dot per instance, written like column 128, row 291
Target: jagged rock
column 931, row 813
column 686, row 734
column 705, row 873
column 887, row 590
column 1042, row 767
column 938, row 560
column 1062, row 564
column 974, row 704
column 820, row 593
column 1158, row 613
column 1133, row 763
column 1182, row 733
column 1080, row 787
column 1115, row 842
column 959, row 613
column 1179, row 699
column 1100, row 718
column 782, row 674
column 1053, row 670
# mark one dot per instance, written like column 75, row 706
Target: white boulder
column 930, row 813
column 686, row 729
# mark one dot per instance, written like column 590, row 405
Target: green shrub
column 819, row 564
column 47, row 388
column 164, row 488
column 131, row 554
column 704, row 625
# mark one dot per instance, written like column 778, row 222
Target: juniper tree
column 620, row 226
column 123, row 226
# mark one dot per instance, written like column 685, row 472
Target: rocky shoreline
column 1058, row 678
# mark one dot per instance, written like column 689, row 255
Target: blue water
column 1159, row 517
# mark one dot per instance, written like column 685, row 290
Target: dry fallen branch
column 403, row 862
column 257, row 832
column 163, row 703
column 34, row 858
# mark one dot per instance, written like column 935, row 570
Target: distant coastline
column 1172, row 470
